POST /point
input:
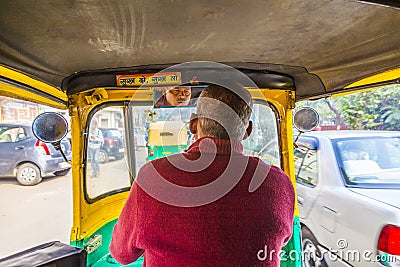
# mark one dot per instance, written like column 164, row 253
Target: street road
column 32, row 215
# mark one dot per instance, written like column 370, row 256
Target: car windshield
column 370, row 162
column 113, row 133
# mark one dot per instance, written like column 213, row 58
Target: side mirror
column 150, row 116
column 51, row 127
column 305, row 119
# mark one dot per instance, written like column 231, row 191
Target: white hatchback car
column 348, row 185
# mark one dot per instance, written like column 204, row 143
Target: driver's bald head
column 224, row 113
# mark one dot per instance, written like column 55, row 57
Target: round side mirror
column 306, row 119
column 50, row 127
column 150, row 116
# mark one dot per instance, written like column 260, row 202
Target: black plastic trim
column 272, row 76
column 388, row 3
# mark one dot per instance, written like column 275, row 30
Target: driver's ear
column 193, row 125
column 248, row 130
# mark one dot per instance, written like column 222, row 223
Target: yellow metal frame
column 88, row 217
column 284, row 102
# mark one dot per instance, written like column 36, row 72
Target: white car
column 348, row 185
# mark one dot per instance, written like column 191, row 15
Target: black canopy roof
column 337, row 41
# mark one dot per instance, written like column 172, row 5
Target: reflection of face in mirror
column 175, row 96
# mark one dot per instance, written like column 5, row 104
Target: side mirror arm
column 57, row 146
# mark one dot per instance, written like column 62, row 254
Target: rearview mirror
column 176, row 96
column 50, row 127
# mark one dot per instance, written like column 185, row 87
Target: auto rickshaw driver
column 229, row 230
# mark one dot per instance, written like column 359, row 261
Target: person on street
column 95, row 142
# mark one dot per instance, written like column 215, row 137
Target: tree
column 370, row 110
column 392, row 117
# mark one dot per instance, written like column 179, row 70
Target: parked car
column 348, row 185
column 28, row 159
column 113, row 145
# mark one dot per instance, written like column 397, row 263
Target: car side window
column 106, row 168
column 393, row 159
column 12, row 134
column 21, row 135
column 6, row 138
column 306, row 165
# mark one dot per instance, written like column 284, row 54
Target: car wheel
column 103, row 156
column 312, row 256
column 62, row 173
column 28, row 174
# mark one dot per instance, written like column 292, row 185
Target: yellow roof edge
column 35, row 84
column 18, row 93
column 380, row 77
column 389, row 75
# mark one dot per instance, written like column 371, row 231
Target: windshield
column 370, row 162
column 165, row 131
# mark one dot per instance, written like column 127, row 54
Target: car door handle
column 19, row 147
column 300, row 200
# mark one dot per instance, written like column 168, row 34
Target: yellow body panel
column 384, row 76
column 89, row 217
column 38, row 87
column 283, row 101
column 381, row 77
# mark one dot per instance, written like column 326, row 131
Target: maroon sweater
column 209, row 206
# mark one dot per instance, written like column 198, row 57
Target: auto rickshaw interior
column 104, row 63
column 165, row 132
column 135, row 111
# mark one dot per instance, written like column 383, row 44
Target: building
column 13, row 110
